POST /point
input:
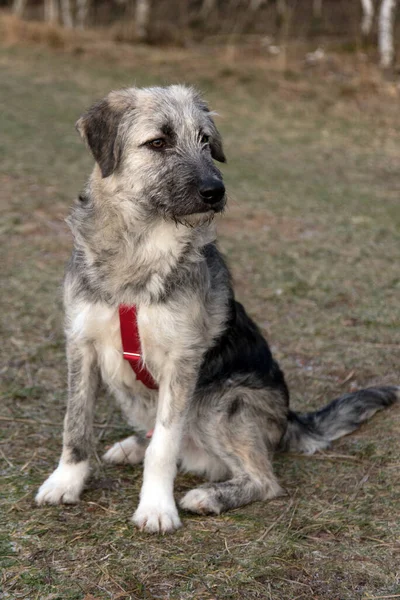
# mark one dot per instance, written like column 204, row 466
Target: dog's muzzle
column 212, row 193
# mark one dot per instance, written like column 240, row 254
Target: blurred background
column 264, row 24
column 308, row 100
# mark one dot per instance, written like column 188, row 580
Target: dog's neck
column 128, row 259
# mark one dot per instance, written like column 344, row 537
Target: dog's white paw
column 64, row 485
column 128, row 451
column 200, row 501
column 157, row 518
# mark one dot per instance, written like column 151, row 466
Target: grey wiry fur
column 144, row 235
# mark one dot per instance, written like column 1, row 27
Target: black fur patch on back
column 235, row 407
column 241, row 350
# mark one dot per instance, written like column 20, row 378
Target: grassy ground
column 312, row 237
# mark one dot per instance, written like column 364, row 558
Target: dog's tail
column 308, row 432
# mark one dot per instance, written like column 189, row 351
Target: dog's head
column 158, row 144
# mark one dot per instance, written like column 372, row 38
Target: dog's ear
column 217, row 150
column 99, row 128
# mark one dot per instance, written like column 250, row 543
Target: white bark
column 386, row 23
column 207, row 7
column 82, row 9
column 19, row 7
column 66, row 14
column 368, row 16
column 256, row 4
column 51, row 11
column 281, row 8
column 142, row 19
column 317, row 9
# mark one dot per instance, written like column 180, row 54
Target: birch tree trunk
column 82, row 9
column 51, row 11
column 317, row 9
column 19, row 7
column 281, row 8
column 207, row 7
column 368, row 16
column 256, row 4
column 142, row 19
column 386, row 24
column 66, row 14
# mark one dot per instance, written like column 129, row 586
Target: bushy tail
column 308, row 432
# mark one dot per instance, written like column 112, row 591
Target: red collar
column 132, row 350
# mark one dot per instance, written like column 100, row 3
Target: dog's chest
column 160, row 336
column 100, row 325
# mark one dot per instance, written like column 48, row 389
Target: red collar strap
column 132, row 350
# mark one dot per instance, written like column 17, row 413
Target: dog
column 144, row 235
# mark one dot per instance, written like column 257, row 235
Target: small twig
column 78, row 537
column 347, row 379
column 323, row 456
column 360, row 483
column 376, row 345
column 381, row 597
column 107, row 574
column 107, row 423
column 226, row 546
column 296, row 583
column 103, row 507
column 29, row 373
column 380, row 542
column 6, row 459
column 293, row 513
column 269, row 529
column 26, row 465
column 57, row 424
column 14, row 504
column 97, row 457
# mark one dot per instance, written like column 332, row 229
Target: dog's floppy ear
column 99, row 128
column 217, row 150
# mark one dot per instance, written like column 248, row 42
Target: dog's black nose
column 212, row 191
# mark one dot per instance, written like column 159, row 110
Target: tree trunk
column 317, row 9
column 207, row 7
column 142, row 19
column 66, row 14
column 386, row 23
column 19, row 7
column 368, row 16
column 51, row 11
column 281, row 8
column 82, row 9
column 256, row 4
column 282, row 15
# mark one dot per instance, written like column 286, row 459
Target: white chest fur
column 99, row 324
column 160, row 336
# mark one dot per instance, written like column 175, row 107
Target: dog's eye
column 157, row 144
column 205, row 139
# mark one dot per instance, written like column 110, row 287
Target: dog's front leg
column 157, row 512
column 66, row 483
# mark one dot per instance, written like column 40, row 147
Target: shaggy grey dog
column 144, row 236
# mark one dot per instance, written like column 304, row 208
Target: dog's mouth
column 196, row 219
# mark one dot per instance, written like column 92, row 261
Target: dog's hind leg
column 244, row 452
column 140, row 412
column 130, row 451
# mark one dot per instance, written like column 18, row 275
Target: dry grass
column 312, row 237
